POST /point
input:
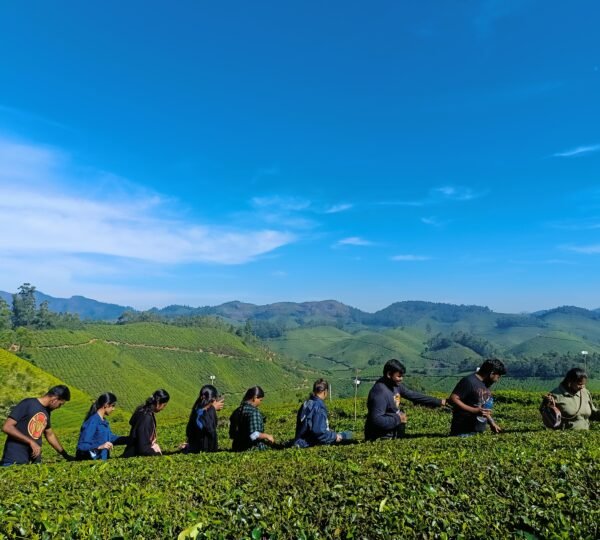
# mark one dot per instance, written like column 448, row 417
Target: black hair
column 320, row 386
column 493, row 365
column 208, row 394
column 60, row 391
column 103, row 399
column 159, row 396
column 254, row 392
column 575, row 374
column 393, row 366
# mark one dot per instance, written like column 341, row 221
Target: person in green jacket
column 574, row 401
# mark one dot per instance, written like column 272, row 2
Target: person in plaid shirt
column 247, row 424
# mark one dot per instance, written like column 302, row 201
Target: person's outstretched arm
column 419, row 398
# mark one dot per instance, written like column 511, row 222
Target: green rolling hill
column 20, row 379
column 559, row 342
column 133, row 360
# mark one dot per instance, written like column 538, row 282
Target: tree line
column 25, row 313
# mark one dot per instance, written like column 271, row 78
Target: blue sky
column 154, row 153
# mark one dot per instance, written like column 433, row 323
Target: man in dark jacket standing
column 312, row 424
column 385, row 420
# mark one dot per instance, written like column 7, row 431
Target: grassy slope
column 588, row 329
column 134, row 360
column 20, row 380
column 560, row 342
column 318, row 346
column 329, row 348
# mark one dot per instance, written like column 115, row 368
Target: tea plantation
column 527, row 482
column 133, row 360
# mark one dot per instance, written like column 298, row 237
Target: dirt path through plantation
column 133, row 345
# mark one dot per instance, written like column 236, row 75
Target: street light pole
column 585, row 355
column 212, row 379
column 356, row 383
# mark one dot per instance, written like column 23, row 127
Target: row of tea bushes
column 533, row 484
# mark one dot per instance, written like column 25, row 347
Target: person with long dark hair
column 142, row 436
column 247, row 424
column 96, row 439
column 201, row 428
column 574, row 401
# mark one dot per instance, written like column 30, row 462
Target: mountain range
column 325, row 312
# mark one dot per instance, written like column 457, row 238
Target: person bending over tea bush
column 247, row 424
column 385, row 419
column 27, row 422
column 312, row 424
column 142, row 436
column 201, row 428
column 574, row 401
column 96, row 439
column 472, row 400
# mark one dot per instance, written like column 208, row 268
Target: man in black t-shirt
column 469, row 398
column 27, row 422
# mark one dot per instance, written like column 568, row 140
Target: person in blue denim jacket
column 96, row 439
column 312, row 423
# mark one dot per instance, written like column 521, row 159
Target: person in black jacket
column 201, row 428
column 385, row 419
column 142, row 437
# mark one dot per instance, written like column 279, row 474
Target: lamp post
column 585, row 354
column 356, row 383
column 212, row 379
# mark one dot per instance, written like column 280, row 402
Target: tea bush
column 527, row 482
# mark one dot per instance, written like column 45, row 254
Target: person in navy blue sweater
column 312, row 424
column 96, row 439
column 385, row 419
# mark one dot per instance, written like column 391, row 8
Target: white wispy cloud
column 433, row 221
column 265, row 172
column 579, row 151
column 591, row 249
column 336, row 208
column 354, row 241
column 280, row 202
column 542, row 262
column 440, row 195
column 40, row 215
column 587, row 224
column 410, row 258
column 456, row 193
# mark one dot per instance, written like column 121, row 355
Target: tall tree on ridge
column 23, row 308
column 5, row 317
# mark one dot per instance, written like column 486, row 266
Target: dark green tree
column 23, row 308
column 5, row 315
column 44, row 318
